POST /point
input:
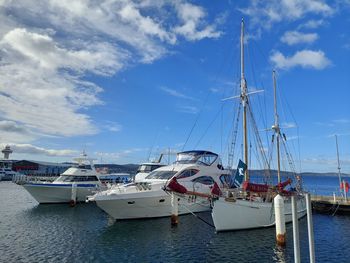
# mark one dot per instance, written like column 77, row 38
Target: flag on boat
column 345, row 185
column 239, row 176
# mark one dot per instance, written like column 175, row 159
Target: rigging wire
column 259, row 144
column 209, row 126
column 232, row 53
column 285, row 102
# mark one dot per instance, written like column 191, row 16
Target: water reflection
column 58, row 233
column 279, row 254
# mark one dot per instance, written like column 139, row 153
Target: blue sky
column 125, row 80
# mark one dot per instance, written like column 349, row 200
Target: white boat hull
column 150, row 204
column 53, row 193
column 245, row 214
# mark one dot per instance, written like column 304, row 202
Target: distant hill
column 132, row 169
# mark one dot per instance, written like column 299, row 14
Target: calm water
column 58, row 233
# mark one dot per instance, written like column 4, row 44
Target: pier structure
column 330, row 204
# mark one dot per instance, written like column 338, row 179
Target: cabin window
column 79, row 178
column 207, row 180
column 187, row 173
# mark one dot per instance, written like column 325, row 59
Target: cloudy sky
column 125, row 80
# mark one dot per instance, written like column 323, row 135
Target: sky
column 127, row 80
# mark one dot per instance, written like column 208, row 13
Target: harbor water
column 58, row 233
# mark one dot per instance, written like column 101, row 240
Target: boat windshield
column 195, row 157
column 85, row 166
column 76, row 178
column 146, row 168
column 161, row 175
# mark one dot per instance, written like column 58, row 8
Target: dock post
column 73, row 199
column 174, row 210
column 310, row 228
column 295, row 230
column 334, row 198
column 280, row 221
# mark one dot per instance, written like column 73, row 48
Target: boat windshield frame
column 146, row 168
column 196, row 157
column 77, row 178
column 84, row 166
column 161, row 175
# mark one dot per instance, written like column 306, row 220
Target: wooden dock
column 330, row 204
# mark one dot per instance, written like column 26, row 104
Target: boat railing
column 21, row 179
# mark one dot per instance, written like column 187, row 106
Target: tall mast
column 244, row 100
column 339, row 174
column 276, row 128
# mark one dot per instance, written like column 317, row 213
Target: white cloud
column 304, row 59
column 188, row 109
column 266, row 13
column 191, row 16
column 43, row 51
column 214, row 90
column 342, row 121
column 130, row 14
column 313, row 24
column 326, row 161
column 47, row 47
column 113, row 126
column 12, row 131
column 295, row 37
column 325, row 124
column 175, row 93
column 31, row 149
column 287, row 125
column 124, row 154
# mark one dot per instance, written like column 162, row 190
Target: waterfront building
column 38, row 168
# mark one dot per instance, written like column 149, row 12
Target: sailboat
column 242, row 204
column 251, row 205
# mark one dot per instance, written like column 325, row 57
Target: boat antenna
column 244, row 99
column 276, row 128
column 339, row 174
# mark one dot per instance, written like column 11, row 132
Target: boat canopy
column 203, row 157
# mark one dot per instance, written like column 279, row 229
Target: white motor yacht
column 195, row 170
column 6, row 172
column 74, row 185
